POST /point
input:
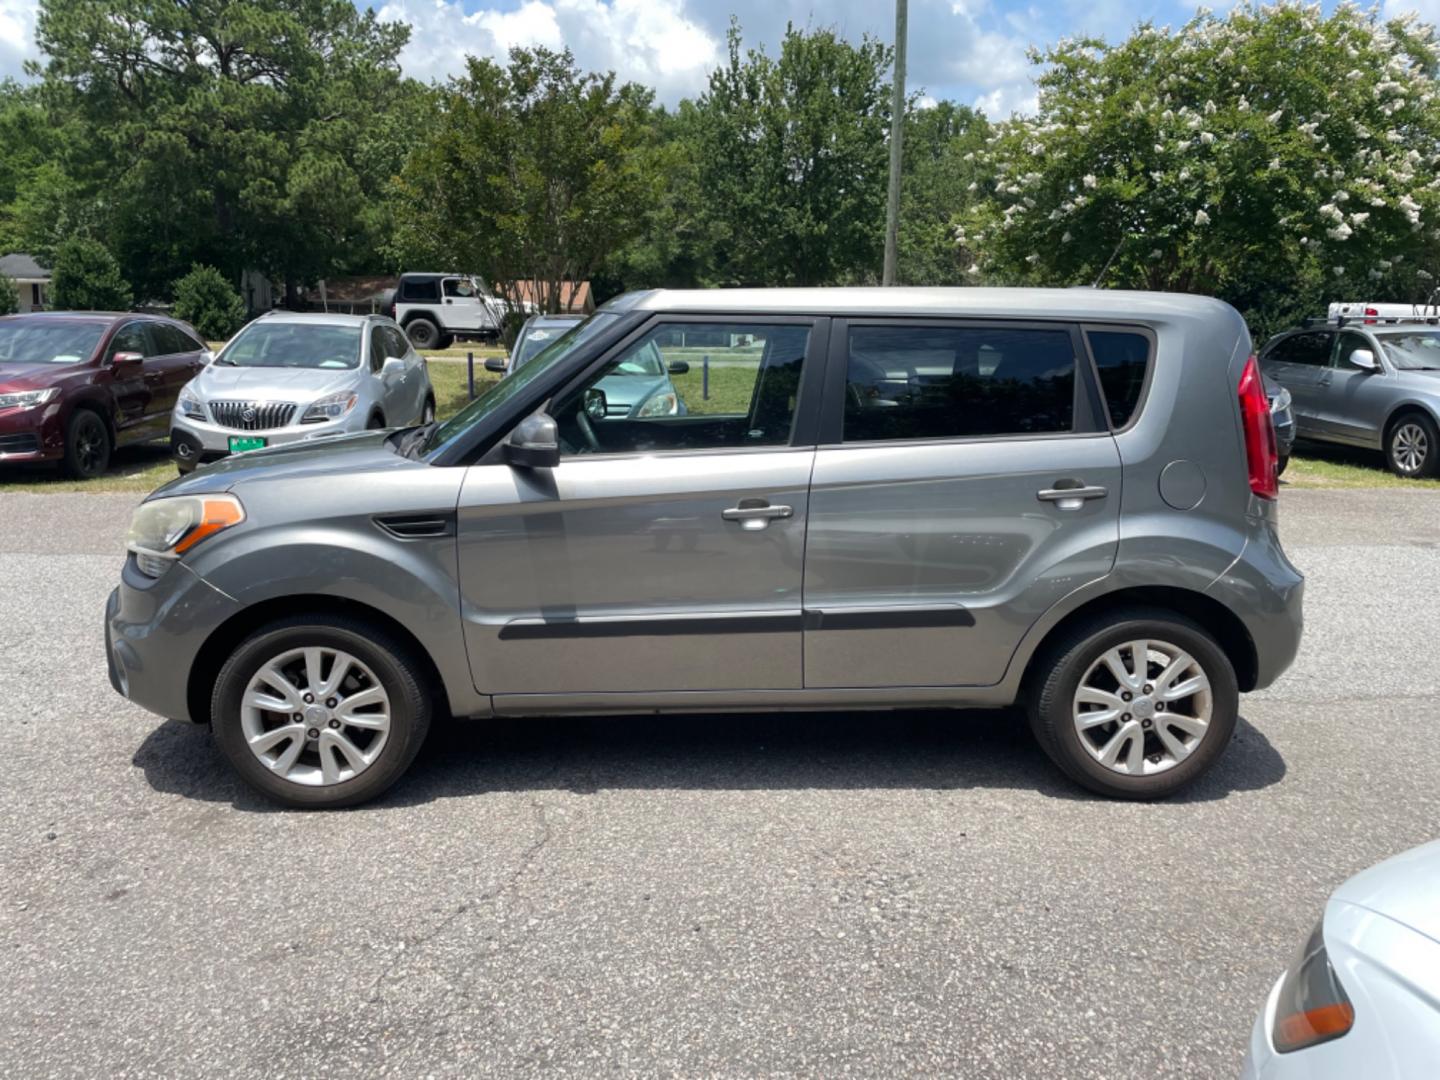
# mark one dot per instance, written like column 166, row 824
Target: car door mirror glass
column 596, row 404
column 495, row 364
column 535, row 443
column 1364, row 359
column 678, row 367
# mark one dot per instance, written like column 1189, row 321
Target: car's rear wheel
column 320, row 712
column 1412, row 449
column 446, row 341
column 1136, row 704
column 423, row 333
column 1281, row 464
column 87, row 445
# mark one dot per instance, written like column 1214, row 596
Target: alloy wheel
column 315, row 716
column 87, row 447
column 1142, row 707
column 1409, row 447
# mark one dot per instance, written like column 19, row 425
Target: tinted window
column 655, row 395
column 379, row 349
column 1122, row 358
column 1348, row 343
column 420, row 291
column 1309, row 348
column 925, row 382
column 396, row 343
column 171, row 339
column 130, row 338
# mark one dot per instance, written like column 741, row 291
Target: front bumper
column 154, row 630
column 31, row 434
column 195, row 442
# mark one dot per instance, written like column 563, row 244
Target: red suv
column 76, row 384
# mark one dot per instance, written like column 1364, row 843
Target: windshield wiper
column 223, row 362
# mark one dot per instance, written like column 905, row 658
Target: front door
column 969, row 485
column 665, row 552
column 132, row 385
column 1353, row 403
column 465, row 306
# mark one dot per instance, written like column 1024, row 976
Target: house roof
column 574, row 295
column 23, row 268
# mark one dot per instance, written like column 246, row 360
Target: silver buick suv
column 873, row 498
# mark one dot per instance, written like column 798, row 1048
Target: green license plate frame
column 241, row 443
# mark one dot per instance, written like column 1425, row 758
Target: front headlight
column 164, row 529
column 1312, row 1007
column 660, row 405
column 25, row 399
column 190, row 405
column 331, row 407
column 1281, row 401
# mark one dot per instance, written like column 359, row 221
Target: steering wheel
column 587, row 432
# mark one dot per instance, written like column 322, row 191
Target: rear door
column 1298, row 362
column 965, row 482
column 175, row 362
column 664, row 553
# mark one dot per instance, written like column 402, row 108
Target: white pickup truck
column 435, row 309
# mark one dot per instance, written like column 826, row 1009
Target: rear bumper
column 154, row 630
column 1265, row 590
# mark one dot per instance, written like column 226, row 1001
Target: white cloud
column 649, row 41
column 17, row 35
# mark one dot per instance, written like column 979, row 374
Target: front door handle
column 756, row 513
column 1070, row 494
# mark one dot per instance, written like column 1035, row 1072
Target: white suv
column 435, row 309
column 288, row 377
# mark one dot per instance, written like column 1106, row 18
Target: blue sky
column 972, row 51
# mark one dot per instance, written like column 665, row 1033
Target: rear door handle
column 756, row 513
column 1071, row 498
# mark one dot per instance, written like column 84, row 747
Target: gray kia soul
column 873, row 498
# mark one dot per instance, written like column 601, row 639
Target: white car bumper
column 194, row 441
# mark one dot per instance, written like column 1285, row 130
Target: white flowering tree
column 1272, row 156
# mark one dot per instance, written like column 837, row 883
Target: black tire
column 1065, row 663
column 397, row 671
column 446, row 341
column 1412, row 447
column 1281, row 463
column 423, row 333
column 375, row 423
column 87, row 445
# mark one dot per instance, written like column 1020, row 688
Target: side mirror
column 678, row 367
column 496, row 364
column 207, row 357
column 127, row 360
column 1364, row 359
column 535, row 443
column 597, row 406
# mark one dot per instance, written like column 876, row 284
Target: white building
column 32, row 281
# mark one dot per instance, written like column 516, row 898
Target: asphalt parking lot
column 828, row 895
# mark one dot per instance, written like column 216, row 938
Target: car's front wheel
column 320, row 712
column 1412, row 449
column 87, row 445
column 423, row 333
column 1135, row 704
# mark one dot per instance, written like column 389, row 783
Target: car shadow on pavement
column 935, row 750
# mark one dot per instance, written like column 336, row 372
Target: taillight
column 1261, row 455
column 1372, row 316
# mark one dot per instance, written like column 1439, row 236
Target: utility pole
column 897, row 130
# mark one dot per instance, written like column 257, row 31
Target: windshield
column 514, row 384
column 1414, row 350
column 537, row 340
column 293, row 345
column 48, row 342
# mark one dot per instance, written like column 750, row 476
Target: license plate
column 240, row 443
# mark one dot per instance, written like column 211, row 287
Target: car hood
column 342, row 454
column 1404, row 888
column 272, row 384
column 22, row 376
column 631, row 390
column 1427, row 382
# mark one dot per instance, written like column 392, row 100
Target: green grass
column 1338, row 467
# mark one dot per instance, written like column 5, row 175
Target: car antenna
column 1100, row 276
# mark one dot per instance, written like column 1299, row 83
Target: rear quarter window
column 1122, row 359
column 420, row 291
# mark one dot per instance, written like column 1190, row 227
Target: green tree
column 87, row 278
column 791, row 157
column 9, row 296
column 1269, row 156
column 207, row 301
column 231, row 132
column 532, row 171
column 939, row 180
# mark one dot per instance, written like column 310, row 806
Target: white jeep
column 435, row 309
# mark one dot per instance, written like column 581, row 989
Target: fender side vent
column 417, row 526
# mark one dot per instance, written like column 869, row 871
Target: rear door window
column 939, row 382
column 425, row 291
column 1122, row 359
